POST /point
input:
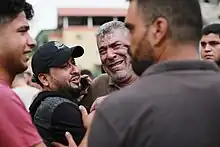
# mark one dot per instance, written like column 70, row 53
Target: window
column 77, row 21
column 97, row 21
column 121, row 19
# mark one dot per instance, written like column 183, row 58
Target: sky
column 46, row 10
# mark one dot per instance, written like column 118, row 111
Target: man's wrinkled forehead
column 112, row 37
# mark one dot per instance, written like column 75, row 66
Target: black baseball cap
column 53, row 54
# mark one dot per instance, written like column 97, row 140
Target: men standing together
column 175, row 102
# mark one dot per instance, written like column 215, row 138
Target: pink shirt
column 16, row 128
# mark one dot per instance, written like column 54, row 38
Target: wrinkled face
column 15, row 44
column 210, row 47
column 65, row 76
column 147, row 38
column 113, row 50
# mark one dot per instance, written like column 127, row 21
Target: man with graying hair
column 113, row 44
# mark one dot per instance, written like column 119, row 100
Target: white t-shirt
column 26, row 94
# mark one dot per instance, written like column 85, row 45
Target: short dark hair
column 184, row 17
column 9, row 9
column 211, row 28
column 86, row 72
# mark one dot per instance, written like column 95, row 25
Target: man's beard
column 69, row 91
column 139, row 66
column 120, row 75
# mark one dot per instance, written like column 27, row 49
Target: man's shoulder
column 103, row 78
column 56, row 100
column 5, row 89
column 126, row 99
column 52, row 102
column 8, row 95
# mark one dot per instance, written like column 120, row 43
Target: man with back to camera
column 55, row 109
column 16, row 125
column 210, row 43
column 176, row 101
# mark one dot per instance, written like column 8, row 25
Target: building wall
column 75, row 32
column 85, row 37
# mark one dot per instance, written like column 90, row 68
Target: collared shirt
column 112, row 86
column 101, row 86
column 175, row 103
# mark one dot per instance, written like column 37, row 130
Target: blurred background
column 74, row 22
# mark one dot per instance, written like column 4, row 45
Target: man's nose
column 110, row 53
column 31, row 42
column 74, row 69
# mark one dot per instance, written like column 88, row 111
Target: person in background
column 87, row 72
column 210, row 43
column 29, row 76
column 55, row 109
column 23, row 90
column 113, row 44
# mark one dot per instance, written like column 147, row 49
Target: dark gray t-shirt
column 101, row 86
column 173, row 104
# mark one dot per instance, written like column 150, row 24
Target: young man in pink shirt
column 16, row 128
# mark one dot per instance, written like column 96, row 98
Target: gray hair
column 109, row 27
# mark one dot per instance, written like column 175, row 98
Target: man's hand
column 69, row 139
column 97, row 102
column 87, row 118
column 85, row 82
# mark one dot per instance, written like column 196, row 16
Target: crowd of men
column 160, row 86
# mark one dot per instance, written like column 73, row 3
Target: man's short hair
column 9, row 9
column 109, row 27
column 86, row 72
column 183, row 16
column 211, row 28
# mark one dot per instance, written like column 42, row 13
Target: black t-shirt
column 53, row 115
column 173, row 104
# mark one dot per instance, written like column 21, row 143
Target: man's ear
column 43, row 78
column 159, row 30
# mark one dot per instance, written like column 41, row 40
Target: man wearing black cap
column 55, row 110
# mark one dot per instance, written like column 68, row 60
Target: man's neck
column 6, row 77
column 180, row 52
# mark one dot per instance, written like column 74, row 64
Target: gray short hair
column 109, row 27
